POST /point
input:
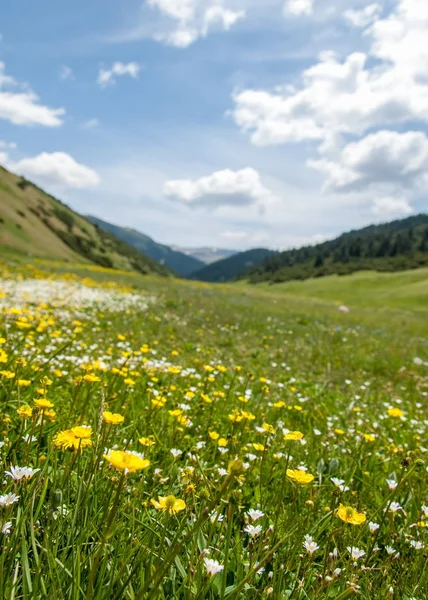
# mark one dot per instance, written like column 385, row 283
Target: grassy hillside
column 230, row 268
column 395, row 246
column 367, row 290
column 36, row 224
column 177, row 261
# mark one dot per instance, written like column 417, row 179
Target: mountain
column 394, row 246
column 37, row 224
column 232, row 267
column 207, row 255
column 177, row 261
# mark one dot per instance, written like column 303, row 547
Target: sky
column 228, row 123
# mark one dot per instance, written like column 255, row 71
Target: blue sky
column 220, row 122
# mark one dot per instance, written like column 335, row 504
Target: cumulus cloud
column 390, row 206
column 20, row 105
column 340, row 99
column 55, row 169
column 194, row 19
column 297, row 8
column 363, row 17
column 382, row 158
column 118, row 69
column 221, row 188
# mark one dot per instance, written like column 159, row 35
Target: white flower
column 373, row 526
column 309, row 545
column 252, row 530
column 6, row 527
column 8, row 499
column 255, row 514
column 392, row 484
column 212, row 566
column 356, row 553
column 390, row 549
column 216, row 517
column 175, row 452
column 417, row 545
column 425, row 511
column 395, row 507
column 222, row 472
column 29, row 438
column 340, row 484
column 18, row 473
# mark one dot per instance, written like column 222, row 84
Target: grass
column 248, row 418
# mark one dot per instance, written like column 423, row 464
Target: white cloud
column 194, row 19
column 55, row 169
column 5, row 145
column 244, row 237
column 401, row 39
column 221, row 188
column 90, row 124
column 363, row 17
column 20, row 105
column 66, row 73
column 118, row 69
column 384, row 158
column 390, row 206
column 338, row 99
column 297, row 8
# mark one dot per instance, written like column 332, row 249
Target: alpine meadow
column 171, row 439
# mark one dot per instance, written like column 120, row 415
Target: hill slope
column 37, row 224
column 177, row 261
column 232, row 267
column 394, row 246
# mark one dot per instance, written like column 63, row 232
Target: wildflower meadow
column 177, row 440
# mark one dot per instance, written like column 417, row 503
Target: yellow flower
column 268, row 428
column 369, row 437
column 214, row 435
column 293, row 436
column 7, row 374
column 82, row 432
column 67, row 439
column 43, row 403
column 339, row 431
column 24, row 382
column 50, row 414
column 395, row 412
column 258, row 447
column 113, row 418
column 126, row 461
column 91, row 378
column 147, row 441
column 222, row 442
column 350, row 515
column 300, row 476
column 280, row 404
column 25, row 411
column 169, row 504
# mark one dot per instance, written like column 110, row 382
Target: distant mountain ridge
column 395, row 246
column 230, row 268
column 180, row 263
column 37, row 224
column 207, row 255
